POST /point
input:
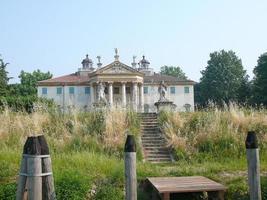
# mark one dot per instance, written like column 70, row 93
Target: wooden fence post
column 36, row 179
column 130, row 168
column 253, row 166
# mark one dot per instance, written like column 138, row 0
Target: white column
column 110, row 93
column 123, row 94
column 92, row 91
column 135, row 96
column 141, row 97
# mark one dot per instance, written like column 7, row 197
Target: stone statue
column 98, row 58
column 134, row 57
column 101, row 93
column 116, row 55
column 162, row 89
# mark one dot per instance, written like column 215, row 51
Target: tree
column 222, row 79
column 260, row 81
column 28, row 81
column 173, row 71
column 3, row 78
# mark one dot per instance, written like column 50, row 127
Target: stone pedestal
column 165, row 105
column 101, row 105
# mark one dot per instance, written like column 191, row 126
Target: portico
column 122, row 94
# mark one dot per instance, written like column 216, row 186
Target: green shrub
column 71, row 185
column 8, row 191
column 109, row 191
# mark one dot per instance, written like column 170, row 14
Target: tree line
column 20, row 96
column 224, row 80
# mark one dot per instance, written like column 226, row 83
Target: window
column 128, row 90
column 87, row 90
column 116, row 90
column 71, row 90
column 172, row 90
column 59, row 90
column 44, row 90
column 145, row 90
column 186, row 90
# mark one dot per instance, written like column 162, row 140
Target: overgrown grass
column 214, row 133
column 87, row 149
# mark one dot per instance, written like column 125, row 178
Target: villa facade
column 123, row 86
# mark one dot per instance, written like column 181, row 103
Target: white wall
column 179, row 98
column 78, row 100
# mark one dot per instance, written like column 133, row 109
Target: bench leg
column 219, row 195
column 166, row 196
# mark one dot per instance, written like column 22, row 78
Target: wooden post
column 47, row 181
column 36, row 171
column 35, row 180
column 22, row 180
column 253, row 166
column 130, row 168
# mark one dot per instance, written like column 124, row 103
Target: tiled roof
column 67, row 79
column 76, row 79
column 157, row 78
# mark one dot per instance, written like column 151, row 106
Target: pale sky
column 55, row 35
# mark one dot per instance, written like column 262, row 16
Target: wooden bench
column 165, row 186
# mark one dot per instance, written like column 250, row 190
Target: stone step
column 148, row 134
column 152, row 134
column 147, row 126
column 156, row 153
column 158, row 156
column 156, row 141
column 153, row 140
column 153, row 145
column 150, row 128
column 156, row 148
column 149, row 115
column 149, row 118
column 159, row 159
column 149, row 123
column 152, row 137
column 144, row 139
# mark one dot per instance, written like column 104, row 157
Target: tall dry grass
column 99, row 130
column 216, row 131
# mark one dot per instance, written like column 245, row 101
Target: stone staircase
column 153, row 141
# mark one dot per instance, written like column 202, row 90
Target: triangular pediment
column 118, row 68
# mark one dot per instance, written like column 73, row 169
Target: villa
column 123, row 86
